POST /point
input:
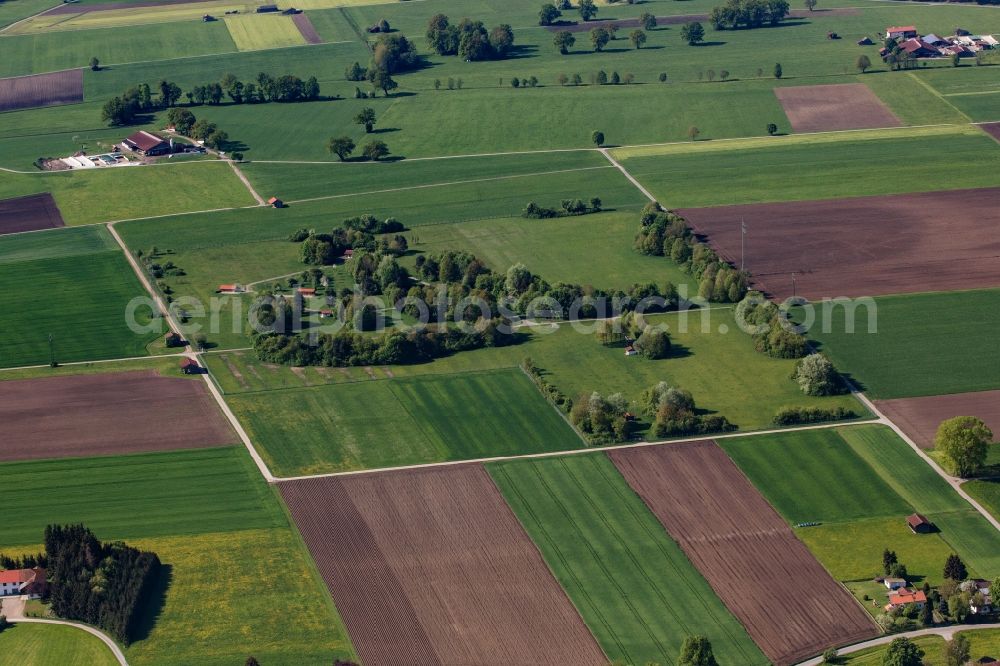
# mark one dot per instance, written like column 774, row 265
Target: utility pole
column 793, row 285
column 743, row 243
column 52, row 351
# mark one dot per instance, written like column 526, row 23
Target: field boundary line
column 946, row 633
column 7, row 27
column 190, row 353
column 934, row 91
column 455, row 182
column 573, row 452
column 151, row 357
column 115, row 650
column 437, row 157
column 617, row 165
column 954, row 482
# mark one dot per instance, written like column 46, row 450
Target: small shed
column 630, row 351
column 919, row 524
column 173, row 340
column 229, row 289
column 348, row 254
column 276, row 202
column 307, row 291
column 866, row 42
column 266, row 9
column 190, row 366
column 325, row 314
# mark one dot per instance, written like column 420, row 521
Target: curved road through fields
column 946, row 633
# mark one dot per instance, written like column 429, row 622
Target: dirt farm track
column 863, row 246
column 787, row 601
column 920, row 417
column 432, row 567
column 107, row 414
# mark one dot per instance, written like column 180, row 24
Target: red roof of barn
column 916, row 520
column 307, row 291
column 187, row 363
column 16, row 576
column 144, row 140
column 904, row 28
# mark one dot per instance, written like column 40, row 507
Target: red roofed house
column 348, row 254
column 23, row 581
column 147, row 143
column 901, row 32
column 229, row 289
column 919, row 524
column 903, row 596
column 190, row 366
column 918, row 48
column 307, row 291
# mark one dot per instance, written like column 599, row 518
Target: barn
column 919, row 524
column 147, row 143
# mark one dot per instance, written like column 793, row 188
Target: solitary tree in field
column 381, row 80
column 587, row 9
column 863, row 63
column 954, row 568
column 693, row 132
column 599, row 37
column 810, row 4
column 693, row 33
column 696, row 651
column 375, row 150
column 648, row 21
column 964, row 442
column 548, row 14
column 564, row 41
column 95, row 64
column 777, row 70
column 597, row 137
column 638, row 38
column 772, row 129
column 341, row 146
column 366, row 117
column 252, row 661
column 903, row 652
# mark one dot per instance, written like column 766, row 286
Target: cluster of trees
column 816, row 376
column 674, row 413
column 364, row 233
column 748, row 14
column 264, row 88
column 379, row 77
column 451, row 83
column 787, row 416
column 603, row 420
column 122, row 110
column 103, row 584
column 526, row 82
column 551, row 12
column 469, row 39
column 666, row 234
column 568, row 208
column 964, row 443
column 186, row 124
column 896, row 58
column 772, row 335
column 394, row 54
column 344, row 146
column 550, row 391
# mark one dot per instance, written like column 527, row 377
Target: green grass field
column 45, row 644
column 789, row 468
column 55, row 243
column 634, row 587
column 81, row 300
column 807, row 167
column 926, row 344
column 143, row 495
column 987, row 493
column 853, row 550
column 960, row 525
column 401, row 421
column 252, row 33
column 105, row 195
column 227, row 592
column 933, row 647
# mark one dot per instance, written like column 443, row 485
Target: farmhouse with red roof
column 30, row 582
column 147, row 143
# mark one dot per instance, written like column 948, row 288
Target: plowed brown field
column 838, row 106
column 993, row 129
column 920, row 417
column 431, row 567
column 788, row 603
column 25, row 92
column 37, row 211
column 863, row 246
column 107, row 414
column 306, row 29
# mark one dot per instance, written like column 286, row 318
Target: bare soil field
column 37, row 211
column 832, row 107
column 432, row 567
column 862, row 246
column 26, row 92
column 107, row 414
column 787, row 601
column 307, row 29
column 920, row 417
column 993, row 129
column 681, row 19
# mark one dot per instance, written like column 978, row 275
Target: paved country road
column 946, row 633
